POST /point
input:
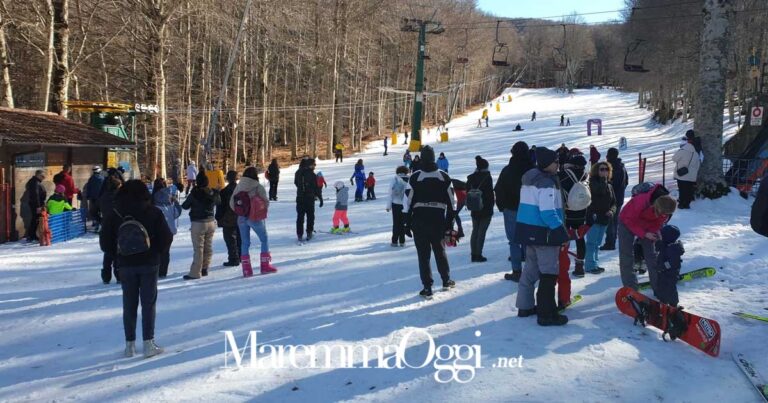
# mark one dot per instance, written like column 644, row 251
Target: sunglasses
column 603, row 169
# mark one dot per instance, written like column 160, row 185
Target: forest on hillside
column 311, row 73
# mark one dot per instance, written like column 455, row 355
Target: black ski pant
column 272, row 190
column 429, row 241
column 477, row 239
column 686, row 189
column 610, row 234
column 305, row 207
column 581, row 243
column 107, row 267
column 666, row 286
column 233, row 241
column 139, row 283
column 370, row 194
column 398, row 224
column 34, row 221
column 165, row 261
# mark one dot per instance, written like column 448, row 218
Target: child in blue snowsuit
column 668, row 265
column 358, row 180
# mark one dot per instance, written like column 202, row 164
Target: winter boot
column 426, row 293
column 231, row 263
column 524, row 313
column 448, row 284
column 151, row 349
column 579, row 270
column 514, row 276
column 204, row 272
column 546, row 308
column 266, row 266
column 130, row 348
column 246, row 262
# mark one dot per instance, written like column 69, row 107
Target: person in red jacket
column 321, row 183
column 642, row 218
column 64, row 178
column 370, row 183
column 594, row 155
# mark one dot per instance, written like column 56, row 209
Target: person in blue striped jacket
column 541, row 228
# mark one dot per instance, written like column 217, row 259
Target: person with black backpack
column 201, row 203
column 480, row 202
column 508, row 202
column 227, row 220
column 306, row 193
column 136, row 234
column 573, row 176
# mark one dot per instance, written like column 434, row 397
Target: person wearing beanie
column 370, row 186
column 642, row 218
column 92, row 192
column 306, row 193
column 563, row 153
column 574, row 170
column 165, row 201
column 358, row 180
column 442, row 162
column 508, row 202
column 256, row 220
column 395, row 204
column 57, row 203
column 226, row 219
column 430, row 207
column 619, row 181
column 594, row 155
column 340, row 209
column 687, row 163
column 201, row 203
column 541, row 228
column 481, row 218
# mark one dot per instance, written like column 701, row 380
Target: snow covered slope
column 62, row 333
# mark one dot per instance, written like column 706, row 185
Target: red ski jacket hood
column 639, row 216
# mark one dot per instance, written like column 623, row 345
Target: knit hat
column 481, row 163
column 232, row 176
column 60, row 189
column 520, row 149
column 577, row 160
column 319, row 173
column 338, row 185
column 545, row 157
column 575, row 151
column 612, row 154
column 428, row 155
column 669, row 234
column 690, row 134
column 201, row 180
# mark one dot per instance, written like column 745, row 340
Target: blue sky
column 546, row 8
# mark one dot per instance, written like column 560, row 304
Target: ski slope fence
column 67, row 225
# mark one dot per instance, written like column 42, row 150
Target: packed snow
column 62, row 335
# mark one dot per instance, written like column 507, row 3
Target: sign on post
column 757, row 116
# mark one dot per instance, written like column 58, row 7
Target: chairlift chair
column 500, row 55
column 556, row 64
column 634, row 68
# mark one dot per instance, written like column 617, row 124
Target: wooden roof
column 21, row 126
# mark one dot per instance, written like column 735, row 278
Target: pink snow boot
column 266, row 267
column 246, row 263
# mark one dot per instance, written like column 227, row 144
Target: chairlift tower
column 423, row 27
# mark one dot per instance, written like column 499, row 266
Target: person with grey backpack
column 480, row 202
column 136, row 234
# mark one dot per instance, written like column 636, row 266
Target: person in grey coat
column 342, row 204
column 163, row 199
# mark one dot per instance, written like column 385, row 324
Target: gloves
column 351, row 182
column 321, row 202
column 407, row 225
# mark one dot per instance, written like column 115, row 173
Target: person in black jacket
column 574, row 219
column 508, row 201
column 273, row 175
column 201, row 203
column 36, row 197
column 563, row 154
column 481, row 219
column 599, row 213
column 306, row 193
column 227, row 220
column 106, row 206
column 138, row 272
column 431, row 206
column 620, row 181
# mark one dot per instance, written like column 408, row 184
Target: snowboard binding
column 677, row 324
column 641, row 311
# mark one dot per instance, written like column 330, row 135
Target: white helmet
column 338, row 185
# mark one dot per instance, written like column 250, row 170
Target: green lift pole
column 423, row 28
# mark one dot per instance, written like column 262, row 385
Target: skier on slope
column 340, row 209
column 358, row 180
column 430, row 204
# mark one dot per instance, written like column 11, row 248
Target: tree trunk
column 60, row 78
column 5, row 77
column 708, row 121
column 49, row 57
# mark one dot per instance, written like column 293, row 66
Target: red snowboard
column 701, row 333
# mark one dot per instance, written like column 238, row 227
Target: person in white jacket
column 395, row 204
column 191, row 176
column 687, row 163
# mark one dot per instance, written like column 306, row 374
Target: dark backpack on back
column 758, row 218
column 475, row 197
column 132, row 237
